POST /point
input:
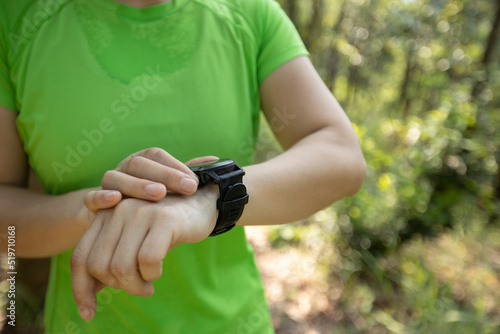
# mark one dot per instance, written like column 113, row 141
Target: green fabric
column 94, row 81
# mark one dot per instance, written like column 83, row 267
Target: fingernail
column 109, row 196
column 151, row 291
column 84, row 313
column 188, row 185
column 154, row 189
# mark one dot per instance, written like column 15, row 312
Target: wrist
column 207, row 202
column 191, row 218
column 209, row 195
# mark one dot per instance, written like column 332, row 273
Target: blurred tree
column 419, row 79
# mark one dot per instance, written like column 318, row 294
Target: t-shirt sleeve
column 278, row 39
column 6, row 90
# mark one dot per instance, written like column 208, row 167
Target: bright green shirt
column 94, row 81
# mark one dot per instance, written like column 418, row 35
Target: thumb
column 101, row 199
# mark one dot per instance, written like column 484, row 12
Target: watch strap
column 230, row 206
column 232, row 192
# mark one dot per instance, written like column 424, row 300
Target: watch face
column 211, row 164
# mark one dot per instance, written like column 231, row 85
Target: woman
column 85, row 84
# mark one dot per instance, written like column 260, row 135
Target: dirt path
column 299, row 298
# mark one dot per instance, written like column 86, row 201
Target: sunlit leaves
column 412, row 78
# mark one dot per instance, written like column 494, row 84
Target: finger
column 164, row 158
column 172, row 178
column 132, row 186
column 98, row 286
column 202, row 160
column 101, row 199
column 82, row 283
column 124, row 264
column 152, row 252
column 158, row 155
column 103, row 249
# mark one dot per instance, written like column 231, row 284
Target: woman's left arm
column 322, row 162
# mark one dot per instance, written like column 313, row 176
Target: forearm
column 318, row 170
column 45, row 225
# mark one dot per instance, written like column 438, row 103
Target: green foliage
column 420, row 80
column 412, row 78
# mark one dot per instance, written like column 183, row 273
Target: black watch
column 233, row 194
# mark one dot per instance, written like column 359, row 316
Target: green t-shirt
column 96, row 80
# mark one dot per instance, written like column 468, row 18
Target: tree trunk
column 405, row 98
column 291, row 9
column 334, row 59
column 488, row 60
column 488, row 56
column 314, row 25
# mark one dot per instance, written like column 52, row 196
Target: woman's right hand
column 147, row 175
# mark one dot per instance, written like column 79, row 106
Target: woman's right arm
column 45, row 225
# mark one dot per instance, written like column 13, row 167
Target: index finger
column 160, row 156
column 141, row 174
column 82, row 283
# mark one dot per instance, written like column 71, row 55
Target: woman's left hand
column 124, row 247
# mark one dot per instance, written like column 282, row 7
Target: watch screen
column 211, row 164
column 204, row 164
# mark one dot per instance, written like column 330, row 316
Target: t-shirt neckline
column 149, row 13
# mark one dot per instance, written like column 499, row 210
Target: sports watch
column 233, row 194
